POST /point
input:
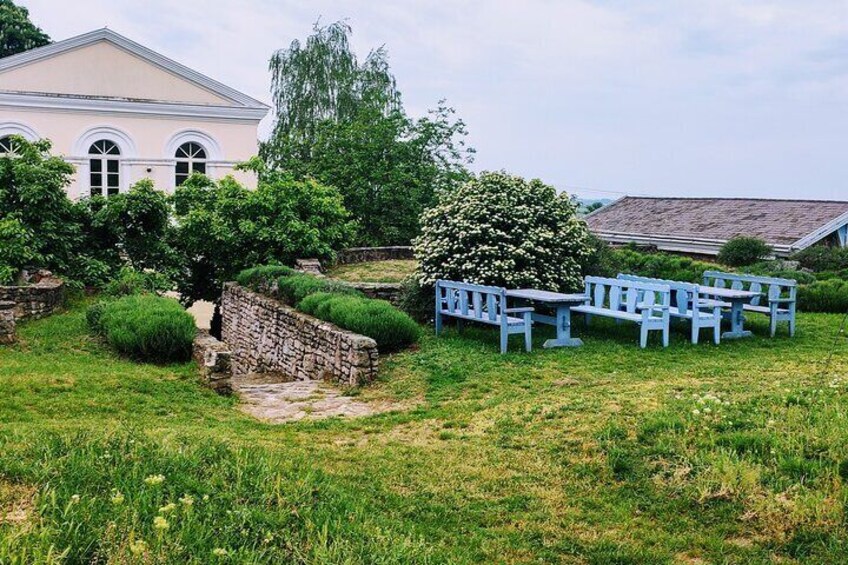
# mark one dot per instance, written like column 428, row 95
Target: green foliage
column 600, row 260
column 294, row 288
column 130, row 281
column 17, row 32
column 94, row 317
column 824, row 296
column 417, row 300
column 342, row 122
column 742, row 251
column 223, row 228
column 17, row 249
column 502, row 230
column 821, row 258
column 140, row 220
column 148, row 327
column 390, row 328
column 262, row 278
column 658, row 265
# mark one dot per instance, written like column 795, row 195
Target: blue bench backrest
column 621, row 294
column 485, row 303
column 777, row 287
column 683, row 294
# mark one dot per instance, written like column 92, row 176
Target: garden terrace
column 600, row 454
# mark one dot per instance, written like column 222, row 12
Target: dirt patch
column 16, row 503
column 274, row 398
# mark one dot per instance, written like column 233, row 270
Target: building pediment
column 103, row 66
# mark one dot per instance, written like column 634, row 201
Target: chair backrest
column 684, row 295
column 777, row 287
column 621, row 294
column 484, row 303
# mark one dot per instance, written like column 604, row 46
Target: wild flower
column 75, row 499
column 117, row 498
column 160, row 523
column 219, row 552
column 170, row 507
column 138, row 547
column 187, row 500
column 154, row 480
column 205, row 498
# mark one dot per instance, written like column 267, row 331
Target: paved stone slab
column 274, row 398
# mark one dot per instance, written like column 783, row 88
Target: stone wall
column 364, row 254
column 35, row 300
column 266, row 335
column 214, row 359
column 380, row 291
column 7, row 322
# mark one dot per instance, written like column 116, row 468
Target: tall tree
column 343, row 123
column 17, row 32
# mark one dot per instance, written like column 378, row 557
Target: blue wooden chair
column 778, row 302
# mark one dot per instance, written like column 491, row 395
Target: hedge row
column 335, row 302
column 145, row 327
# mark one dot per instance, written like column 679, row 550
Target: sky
column 601, row 99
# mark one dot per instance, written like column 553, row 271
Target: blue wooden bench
column 646, row 304
column 778, row 302
column 483, row 304
column 687, row 303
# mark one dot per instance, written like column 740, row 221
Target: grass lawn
column 392, row 271
column 602, row 454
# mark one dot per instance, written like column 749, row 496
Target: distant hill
column 587, row 205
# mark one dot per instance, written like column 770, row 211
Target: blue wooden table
column 737, row 299
column 562, row 304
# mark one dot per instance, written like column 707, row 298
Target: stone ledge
column 43, row 297
column 7, row 322
column 214, row 359
column 365, row 254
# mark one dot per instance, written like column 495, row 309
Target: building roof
column 784, row 224
column 233, row 103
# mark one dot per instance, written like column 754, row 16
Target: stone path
column 275, row 399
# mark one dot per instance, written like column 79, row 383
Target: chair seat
column 703, row 316
column 763, row 309
column 594, row 310
column 474, row 317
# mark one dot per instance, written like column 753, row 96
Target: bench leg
column 696, row 330
column 643, row 336
column 665, row 332
column 792, row 325
column 438, row 322
column 504, row 340
column 717, row 331
column 528, row 332
column 773, row 323
column 460, row 324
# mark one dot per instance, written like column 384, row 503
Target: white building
column 120, row 112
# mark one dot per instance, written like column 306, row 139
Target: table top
column 546, row 296
column 730, row 293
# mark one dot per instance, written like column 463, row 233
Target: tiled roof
column 778, row 222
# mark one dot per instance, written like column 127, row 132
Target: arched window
column 7, row 145
column 191, row 158
column 105, row 164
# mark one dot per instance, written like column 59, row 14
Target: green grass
column 602, row 454
column 392, row 271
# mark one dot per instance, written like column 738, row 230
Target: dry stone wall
column 7, row 322
column 214, row 359
column 365, row 254
column 266, row 335
column 37, row 299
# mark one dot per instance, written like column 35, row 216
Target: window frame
column 104, row 160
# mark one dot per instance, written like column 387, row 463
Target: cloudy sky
column 654, row 97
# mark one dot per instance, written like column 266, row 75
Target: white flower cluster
column 502, row 230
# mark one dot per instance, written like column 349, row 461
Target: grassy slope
column 392, row 271
column 579, row 455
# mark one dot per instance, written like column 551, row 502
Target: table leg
column 563, row 328
column 737, row 322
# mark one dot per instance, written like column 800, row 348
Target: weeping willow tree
column 341, row 121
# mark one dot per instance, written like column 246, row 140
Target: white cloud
column 659, row 96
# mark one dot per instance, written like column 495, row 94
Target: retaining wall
column 364, row 254
column 36, row 300
column 265, row 335
column 214, row 359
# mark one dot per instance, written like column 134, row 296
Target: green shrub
column 600, row 262
column 292, row 289
column 377, row 319
column 130, row 281
column 827, row 275
column 417, row 300
column 17, row 249
column 822, row 258
column 742, row 251
column 148, row 327
column 658, row 265
column 263, row 277
column 94, row 317
column 824, row 296
column 775, row 269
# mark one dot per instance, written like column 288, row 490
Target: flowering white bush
column 502, row 230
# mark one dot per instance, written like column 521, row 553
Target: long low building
column 700, row 226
